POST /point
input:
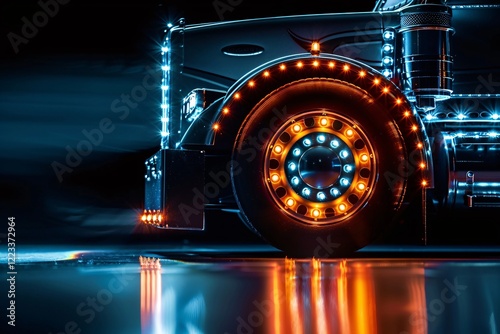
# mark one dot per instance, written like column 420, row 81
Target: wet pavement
column 226, row 291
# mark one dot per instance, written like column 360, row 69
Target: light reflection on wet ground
column 137, row 292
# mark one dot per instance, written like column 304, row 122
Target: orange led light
column 414, row 128
column 346, row 67
column 331, row 64
column 282, row 67
column 275, row 178
column 315, row 213
column 296, row 128
column 251, row 83
column 424, row 183
column 266, row 74
column 323, row 122
column 399, row 101
column 406, row 113
column 300, row 64
column 362, row 74
column 237, row 95
column 385, row 90
column 225, row 110
column 290, row 202
column 376, row 81
column 422, row 165
column 278, row 149
column 420, row 145
column 215, row 126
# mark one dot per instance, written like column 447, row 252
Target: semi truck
column 329, row 128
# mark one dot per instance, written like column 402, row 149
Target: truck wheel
column 308, row 168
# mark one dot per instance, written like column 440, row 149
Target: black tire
column 269, row 184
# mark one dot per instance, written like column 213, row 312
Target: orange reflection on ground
column 151, row 321
column 348, row 296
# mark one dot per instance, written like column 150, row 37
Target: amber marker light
column 315, row 63
column 407, row 113
column 331, row 64
column 420, row 145
column 282, row 67
column 278, row 149
column 376, row 81
column 424, row 183
column 315, row 48
column 237, row 96
column 414, row 127
column 346, row 67
column 296, row 128
column 422, row 165
column 266, row 74
column 290, row 202
column 215, row 126
column 300, row 64
column 362, row 74
column 385, row 90
column 251, row 83
column 275, row 178
column 225, row 110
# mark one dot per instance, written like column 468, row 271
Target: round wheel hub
column 320, row 167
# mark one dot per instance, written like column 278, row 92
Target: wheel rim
column 320, row 167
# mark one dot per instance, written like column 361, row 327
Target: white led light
column 165, row 68
column 428, row 117
column 164, row 106
column 494, row 116
column 387, row 73
column 388, row 35
column 388, row 48
column 164, row 87
column 164, row 119
column 164, row 49
column 387, row 61
column 164, row 133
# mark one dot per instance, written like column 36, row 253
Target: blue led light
column 306, row 192
column 295, row 181
column 307, row 142
column 296, row 152
column 334, row 143
column 344, row 154
column 334, row 192
column 321, row 139
column 347, row 168
column 321, row 196
column 292, row 166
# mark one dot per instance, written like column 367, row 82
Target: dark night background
column 63, row 81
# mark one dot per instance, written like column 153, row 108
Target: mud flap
column 174, row 189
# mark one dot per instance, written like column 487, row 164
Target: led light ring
column 286, row 184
